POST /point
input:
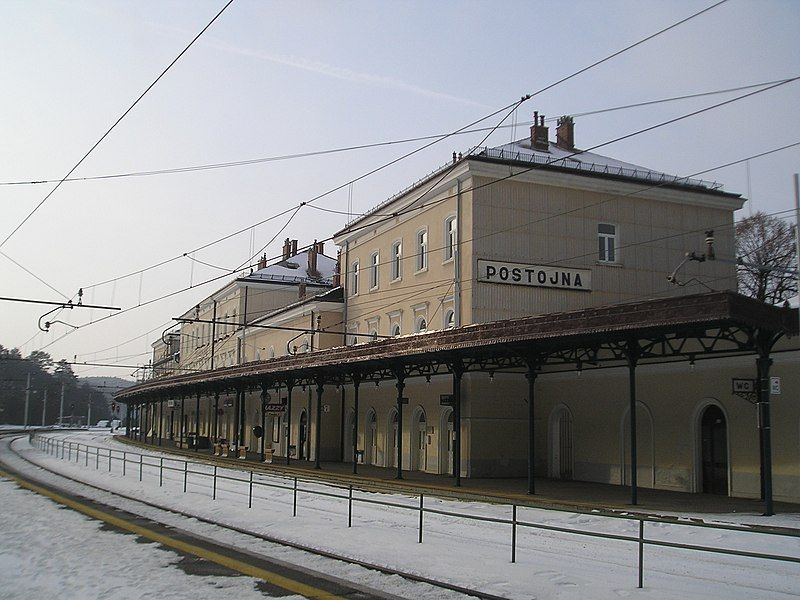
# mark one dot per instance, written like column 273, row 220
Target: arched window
column 374, row 261
column 449, row 319
column 422, row 324
column 397, row 258
column 396, row 329
column 354, row 279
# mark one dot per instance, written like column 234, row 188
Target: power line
column 370, row 145
column 110, row 129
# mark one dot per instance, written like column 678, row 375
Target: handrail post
column 421, row 513
column 185, row 474
column 86, row 457
column 294, row 502
column 513, row 533
column 214, row 492
column 141, row 457
column 97, row 458
column 124, row 463
column 350, row 505
column 641, row 552
column 109, row 460
column 250, row 492
column 160, row 471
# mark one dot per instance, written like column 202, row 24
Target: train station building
column 523, row 311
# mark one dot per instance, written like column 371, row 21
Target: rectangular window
column 373, row 270
column 607, row 242
column 450, row 234
column 397, row 257
column 354, row 279
column 422, row 250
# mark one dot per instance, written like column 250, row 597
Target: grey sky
column 274, row 78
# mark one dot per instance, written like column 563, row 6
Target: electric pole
column 61, row 407
column 89, row 415
column 44, row 406
column 27, row 400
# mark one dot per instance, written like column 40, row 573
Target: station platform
column 550, row 493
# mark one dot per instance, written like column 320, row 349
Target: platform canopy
column 679, row 328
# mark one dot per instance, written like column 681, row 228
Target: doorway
column 561, row 444
column 419, row 442
column 302, row 436
column 714, row 450
column 391, row 441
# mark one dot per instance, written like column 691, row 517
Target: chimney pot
column 539, row 133
column 565, row 134
column 294, row 248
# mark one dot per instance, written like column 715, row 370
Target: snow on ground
column 52, row 552
column 466, row 552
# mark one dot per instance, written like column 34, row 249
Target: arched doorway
column 302, row 435
column 371, row 442
column 419, row 441
column 645, row 453
column 714, row 451
column 391, row 440
column 446, row 442
column 349, row 436
column 561, row 443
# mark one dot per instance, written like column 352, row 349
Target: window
column 373, row 334
column 450, row 235
column 422, row 250
column 449, row 319
column 607, row 242
column 422, row 324
column 396, row 329
column 354, row 280
column 397, row 257
column 373, row 270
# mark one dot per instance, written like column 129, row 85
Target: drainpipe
column 457, row 259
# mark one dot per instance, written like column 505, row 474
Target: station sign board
column 743, row 386
column 447, row 400
column 274, row 408
column 566, row 278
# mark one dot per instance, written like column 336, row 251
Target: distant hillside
column 108, row 386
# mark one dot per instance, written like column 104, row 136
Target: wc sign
column 565, row 278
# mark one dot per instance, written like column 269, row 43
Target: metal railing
column 107, row 457
column 579, row 165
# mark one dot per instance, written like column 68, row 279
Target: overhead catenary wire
column 113, row 126
column 371, row 145
column 442, row 137
column 596, row 63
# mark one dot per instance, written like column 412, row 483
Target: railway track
column 7, row 438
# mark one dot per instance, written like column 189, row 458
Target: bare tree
column 765, row 252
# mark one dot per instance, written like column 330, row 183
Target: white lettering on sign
column 534, row 275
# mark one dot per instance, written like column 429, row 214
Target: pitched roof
column 295, row 270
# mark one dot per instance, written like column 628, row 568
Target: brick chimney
column 320, row 247
column 539, row 133
column 287, row 249
column 262, row 262
column 337, row 278
column 301, row 291
column 294, row 248
column 312, row 260
column 565, row 134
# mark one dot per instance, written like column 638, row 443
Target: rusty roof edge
column 560, row 328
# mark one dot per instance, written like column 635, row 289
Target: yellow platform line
column 280, row 581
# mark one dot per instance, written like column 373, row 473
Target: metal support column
column 181, row 425
column 264, row 394
column 236, row 423
column 633, row 359
column 531, row 377
column 764, row 425
column 356, row 384
column 400, row 387
column 242, row 418
column 288, row 424
column 216, row 416
column 160, row 421
column 458, row 372
column 318, row 431
column 197, row 423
